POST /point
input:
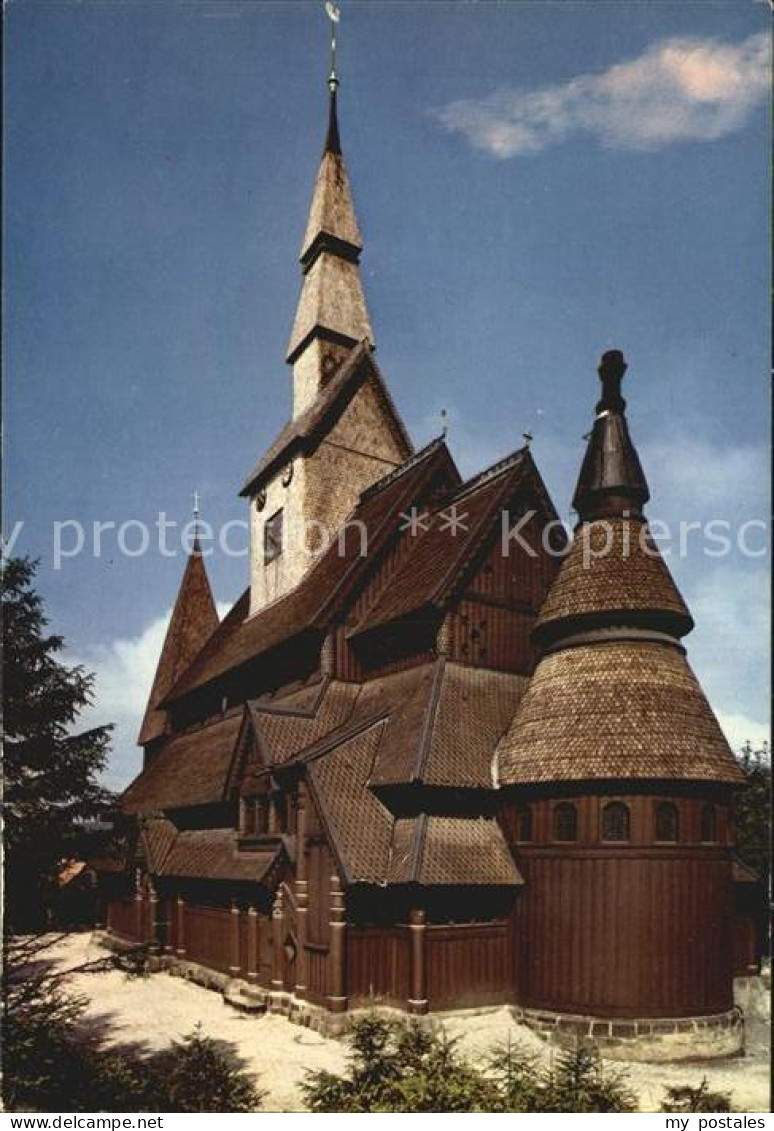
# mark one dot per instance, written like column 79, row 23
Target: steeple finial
column 611, row 479
column 612, row 368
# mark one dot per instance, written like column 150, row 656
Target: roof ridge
column 391, row 476
column 460, row 565
column 489, row 473
column 339, row 737
column 428, row 722
column 269, row 708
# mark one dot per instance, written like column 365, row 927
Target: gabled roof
column 194, row 619
column 203, row 854
column 442, row 722
column 373, row 847
column 311, row 605
column 281, row 729
column 213, row 854
column 190, row 769
column 448, row 540
column 304, row 432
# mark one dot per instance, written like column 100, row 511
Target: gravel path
column 153, row 1011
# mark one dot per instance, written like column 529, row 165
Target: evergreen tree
column 752, row 817
column 51, row 772
column 752, row 810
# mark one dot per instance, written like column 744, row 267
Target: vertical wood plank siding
column 469, row 964
column 378, row 963
column 316, row 974
column 122, row 919
column 208, row 936
column 625, row 935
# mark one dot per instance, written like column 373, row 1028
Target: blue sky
column 535, row 183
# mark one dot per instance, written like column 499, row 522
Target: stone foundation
column 656, row 1039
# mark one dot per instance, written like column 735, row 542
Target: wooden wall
column 378, row 963
column 122, row 918
column 624, row 929
column 469, row 965
column 625, row 935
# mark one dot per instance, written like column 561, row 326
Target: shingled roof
column 313, row 602
column 207, row 854
column 617, row 710
column 194, row 619
column 304, row 432
column 442, row 851
column 213, row 854
column 373, row 847
column 445, row 542
column 190, row 769
column 614, row 566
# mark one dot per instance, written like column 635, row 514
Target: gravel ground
column 153, row 1011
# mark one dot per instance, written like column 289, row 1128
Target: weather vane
column 334, row 15
column 444, row 423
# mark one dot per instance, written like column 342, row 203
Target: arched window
column 667, row 824
column 709, row 823
column 615, row 821
column 524, row 824
column 565, row 821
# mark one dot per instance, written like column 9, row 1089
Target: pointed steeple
column 611, row 481
column 194, row 619
column 331, row 316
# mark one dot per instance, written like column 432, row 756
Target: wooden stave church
column 382, row 778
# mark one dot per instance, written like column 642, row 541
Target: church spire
column 331, row 316
column 194, row 619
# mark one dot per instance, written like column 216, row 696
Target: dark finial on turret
column 611, row 371
column 611, row 481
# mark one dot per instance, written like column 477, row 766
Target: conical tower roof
column 614, row 573
column 194, row 619
column 613, row 696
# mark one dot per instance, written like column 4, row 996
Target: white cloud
column 124, row 671
column 682, row 89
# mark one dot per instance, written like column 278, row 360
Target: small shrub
column 581, row 1083
column 394, row 1066
column 199, row 1074
column 686, row 1098
column 515, row 1073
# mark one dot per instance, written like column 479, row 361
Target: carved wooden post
column 171, row 921
column 273, row 822
column 234, row 964
column 252, row 944
column 153, row 916
column 337, row 955
column 417, row 1002
column 277, row 913
column 302, row 892
column 180, row 908
column 138, row 909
